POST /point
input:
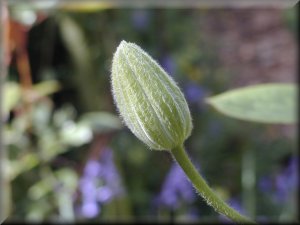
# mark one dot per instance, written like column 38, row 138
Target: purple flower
column 104, row 194
column 265, row 184
column 235, row 203
column 168, row 64
column 88, row 188
column 193, row 214
column 287, row 180
column 176, row 188
column 99, row 184
column 90, row 209
column 92, row 169
column 194, row 93
column 283, row 184
column 140, row 19
column 110, row 174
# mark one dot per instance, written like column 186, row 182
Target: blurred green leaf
column 22, row 165
column 266, row 103
column 64, row 196
column 75, row 134
column 47, row 87
column 101, row 122
column 76, row 43
column 41, row 188
column 64, row 114
column 37, row 210
column 85, row 7
column 41, row 115
column 12, row 95
column 68, row 178
column 12, row 92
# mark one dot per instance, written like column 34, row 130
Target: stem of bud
column 204, row 190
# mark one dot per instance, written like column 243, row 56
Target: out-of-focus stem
column 249, row 181
column 4, row 183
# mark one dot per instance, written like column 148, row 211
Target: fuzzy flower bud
column 148, row 100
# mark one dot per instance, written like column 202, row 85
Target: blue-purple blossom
column 287, row 180
column 281, row 186
column 90, row 209
column 265, row 184
column 193, row 214
column 168, row 64
column 99, row 184
column 140, row 19
column 176, row 189
column 235, row 203
column 194, row 93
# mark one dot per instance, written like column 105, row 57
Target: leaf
column 75, row 134
column 101, row 122
column 22, row 164
column 266, row 103
column 47, row 87
column 12, row 94
column 85, row 7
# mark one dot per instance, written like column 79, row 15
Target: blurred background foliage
column 72, row 159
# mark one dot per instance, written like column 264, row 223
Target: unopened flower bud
column 148, row 99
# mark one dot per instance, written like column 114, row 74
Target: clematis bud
column 148, row 99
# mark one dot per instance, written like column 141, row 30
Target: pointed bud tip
column 123, row 44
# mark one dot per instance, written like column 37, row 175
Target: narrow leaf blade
column 266, row 103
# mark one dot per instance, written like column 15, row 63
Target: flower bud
column 148, row 99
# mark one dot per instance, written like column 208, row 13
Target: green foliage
column 266, row 103
column 12, row 96
column 14, row 93
column 101, row 122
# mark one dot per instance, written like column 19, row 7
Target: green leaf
column 266, row 103
column 12, row 95
column 47, row 87
column 22, row 164
column 101, row 122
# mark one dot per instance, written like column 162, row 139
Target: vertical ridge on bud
column 152, row 107
column 168, row 83
column 149, row 101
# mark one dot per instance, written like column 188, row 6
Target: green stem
column 204, row 190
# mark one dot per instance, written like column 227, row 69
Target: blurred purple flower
column 176, row 188
column 168, row 64
column 193, row 214
column 90, row 209
column 287, row 180
column 88, row 188
column 140, row 19
column 194, row 93
column 99, row 184
column 284, row 183
column 92, row 169
column 104, row 194
column 265, row 184
column 236, row 204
